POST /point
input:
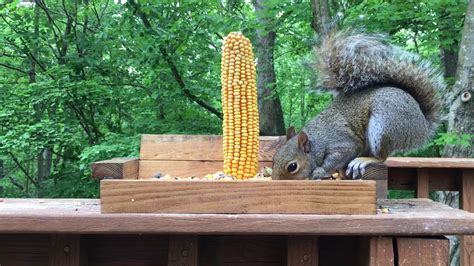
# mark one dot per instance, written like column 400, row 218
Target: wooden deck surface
column 406, row 217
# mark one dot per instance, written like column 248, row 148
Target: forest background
column 81, row 80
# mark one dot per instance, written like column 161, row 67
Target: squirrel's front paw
column 356, row 168
column 320, row 173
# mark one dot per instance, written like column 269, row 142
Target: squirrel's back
column 349, row 62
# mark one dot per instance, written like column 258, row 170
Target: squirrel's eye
column 292, row 167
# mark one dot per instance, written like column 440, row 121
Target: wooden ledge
column 82, row 216
column 416, row 162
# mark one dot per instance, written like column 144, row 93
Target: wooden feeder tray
column 135, row 191
column 235, row 197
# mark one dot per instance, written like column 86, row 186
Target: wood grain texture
column 209, row 148
column 422, row 251
column 382, row 189
column 406, row 217
column 65, row 250
column 24, row 250
column 416, row 162
column 183, row 250
column 381, row 251
column 148, row 168
column 441, row 179
column 242, row 250
column 117, row 168
column 129, row 250
column 197, row 147
column 303, row 251
column 423, row 183
column 307, row 197
column 467, row 203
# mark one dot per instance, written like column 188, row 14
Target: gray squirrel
column 386, row 101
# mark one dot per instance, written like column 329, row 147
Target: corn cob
column 240, row 108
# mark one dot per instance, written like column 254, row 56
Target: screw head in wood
column 66, row 249
column 305, row 257
column 185, row 253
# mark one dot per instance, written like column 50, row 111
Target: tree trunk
column 460, row 100
column 321, row 17
column 270, row 112
column 2, row 170
column 449, row 58
column 44, row 160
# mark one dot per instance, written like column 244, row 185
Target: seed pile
column 265, row 174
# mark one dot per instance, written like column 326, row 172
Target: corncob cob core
column 240, row 108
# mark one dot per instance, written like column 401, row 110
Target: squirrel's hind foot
column 356, row 168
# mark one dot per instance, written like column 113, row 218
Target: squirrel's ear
column 303, row 142
column 290, row 132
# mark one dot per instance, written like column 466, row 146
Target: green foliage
column 82, row 80
column 453, row 139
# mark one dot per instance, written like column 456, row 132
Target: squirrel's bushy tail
column 349, row 61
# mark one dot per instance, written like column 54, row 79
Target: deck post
column 422, row 251
column 183, row 250
column 423, row 182
column 65, row 250
column 303, row 251
column 467, row 204
column 380, row 251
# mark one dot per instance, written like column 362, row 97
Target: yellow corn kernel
column 239, row 106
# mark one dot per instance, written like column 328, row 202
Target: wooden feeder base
column 237, row 197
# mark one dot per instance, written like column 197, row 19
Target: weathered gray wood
column 422, row 251
column 374, row 251
column 381, row 251
column 406, row 217
column 415, row 162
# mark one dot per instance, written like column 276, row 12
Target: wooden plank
column 24, row 249
column 423, row 183
column 303, row 251
column 130, row 249
column 242, row 250
column 149, row 169
column 65, row 250
column 183, row 250
column 422, row 251
column 382, row 189
column 83, row 216
column 441, row 179
column 467, row 203
column 381, row 251
column 117, row 168
column 339, row 250
column 209, row 148
column 412, row 162
column 197, row 147
column 316, row 197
